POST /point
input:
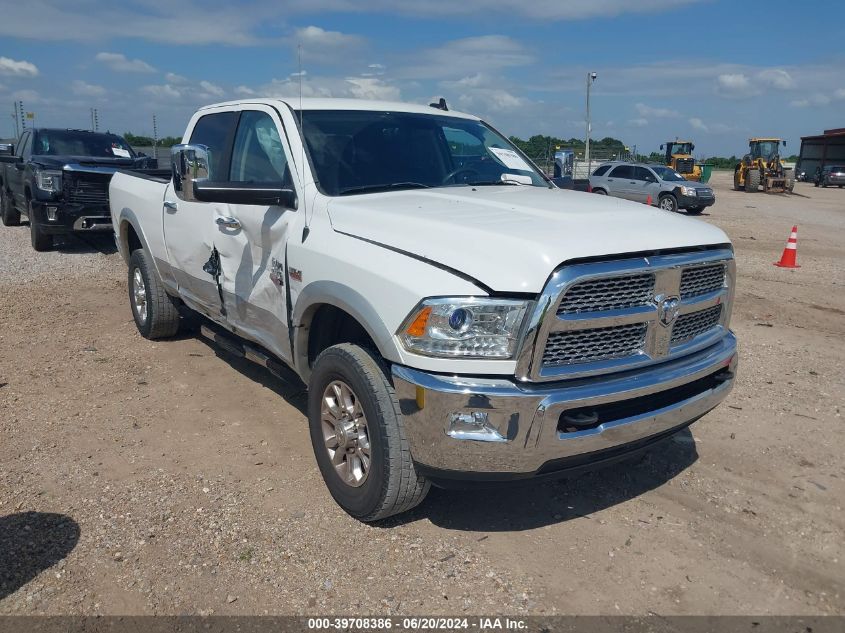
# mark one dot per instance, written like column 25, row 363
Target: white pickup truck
column 454, row 316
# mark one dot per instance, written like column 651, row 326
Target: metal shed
column 824, row 149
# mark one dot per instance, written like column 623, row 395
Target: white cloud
column 638, row 122
column 120, row 63
column 698, row 124
column 84, row 89
column 15, row 68
column 776, row 78
column 459, row 58
column 657, row 113
column 372, row 88
column 327, row 47
column 244, row 91
column 817, row 99
column 173, row 78
column 212, row 89
column 735, row 86
column 163, row 91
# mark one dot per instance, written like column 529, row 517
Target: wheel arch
column 328, row 313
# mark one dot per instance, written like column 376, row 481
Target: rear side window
column 601, row 171
column 216, row 131
column 623, row 171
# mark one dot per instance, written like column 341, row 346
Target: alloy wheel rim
column 666, row 204
column 139, row 294
column 345, row 433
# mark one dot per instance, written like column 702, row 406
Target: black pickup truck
column 59, row 179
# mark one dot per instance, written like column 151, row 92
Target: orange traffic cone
column 788, row 259
column 648, row 200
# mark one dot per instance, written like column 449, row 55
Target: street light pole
column 591, row 77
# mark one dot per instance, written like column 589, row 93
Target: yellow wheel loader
column 762, row 166
column 679, row 157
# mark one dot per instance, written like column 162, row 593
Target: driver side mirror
column 692, row 147
column 661, row 147
column 193, row 182
column 784, row 143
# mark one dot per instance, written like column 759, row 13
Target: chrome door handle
column 169, row 204
column 227, row 222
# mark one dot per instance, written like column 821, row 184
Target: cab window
column 258, row 154
column 215, row 131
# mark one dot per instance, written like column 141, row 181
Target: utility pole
column 155, row 134
column 15, row 117
column 96, row 120
column 23, row 117
column 591, row 77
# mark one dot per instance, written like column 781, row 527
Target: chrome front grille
column 613, row 293
column 700, row 280
column 585, row 346
column 688, row 326
column 609, row 316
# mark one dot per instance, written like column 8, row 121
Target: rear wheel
column 8, row 214
column 737, row 184
column 358, row 435
column 41, row 241
column 668, row 203
column 154, row 311
column 601, row 192
column 752, row 180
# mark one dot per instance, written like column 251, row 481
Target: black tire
column 668, row 202
column 601, row 192
column 695, row 210
column 41, row 241
column 8, row 214
column 752, row 180
column 737, row 185
column 161, row 318
column 392, row 484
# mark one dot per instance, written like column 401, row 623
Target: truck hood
column 511, row 238
column 57, row 162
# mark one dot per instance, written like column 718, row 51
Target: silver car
column 666, row 188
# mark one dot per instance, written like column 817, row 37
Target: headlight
column 50, row 181
column 464, row 327
column 688, row 191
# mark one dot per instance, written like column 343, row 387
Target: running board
column 242, row 349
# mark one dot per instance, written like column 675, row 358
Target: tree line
column 148, row 141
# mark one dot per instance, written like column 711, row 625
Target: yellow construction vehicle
column 762, row 166
column 679, row 157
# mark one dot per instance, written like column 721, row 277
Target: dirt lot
column 168, row 478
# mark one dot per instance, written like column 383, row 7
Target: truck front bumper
column 465, row 428
column 57, row 217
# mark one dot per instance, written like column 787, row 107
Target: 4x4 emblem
column 668, row 309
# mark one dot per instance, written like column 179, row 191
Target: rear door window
column 216, row 132
column 623, row 171
column 641, row 173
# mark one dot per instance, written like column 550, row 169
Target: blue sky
column 714, row 70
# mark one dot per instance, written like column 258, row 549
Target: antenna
column 306, row 229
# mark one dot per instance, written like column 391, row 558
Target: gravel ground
column 168, row 478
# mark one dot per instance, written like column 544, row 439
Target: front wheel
column 154, row 311
column 668, row 203
column 358, row 435
column 41, row 241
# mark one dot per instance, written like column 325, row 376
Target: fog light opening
column 472, row 425
column 52, row 213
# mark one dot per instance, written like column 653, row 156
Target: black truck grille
column 88, row 190
column 685, row 165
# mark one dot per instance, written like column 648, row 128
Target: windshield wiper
column 383, row 187
column 493, row 183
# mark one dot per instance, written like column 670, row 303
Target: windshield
column 764, row 149
column 669, row 175
column 680, row 148
column 355, row 151
column 80, row 143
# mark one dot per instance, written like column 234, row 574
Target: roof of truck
column 343, row 104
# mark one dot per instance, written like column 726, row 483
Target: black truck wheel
column 154, row 311
column 668, row 202
column 752, row 180
column 41, row 241
column 8, row 214
column 358, row 435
